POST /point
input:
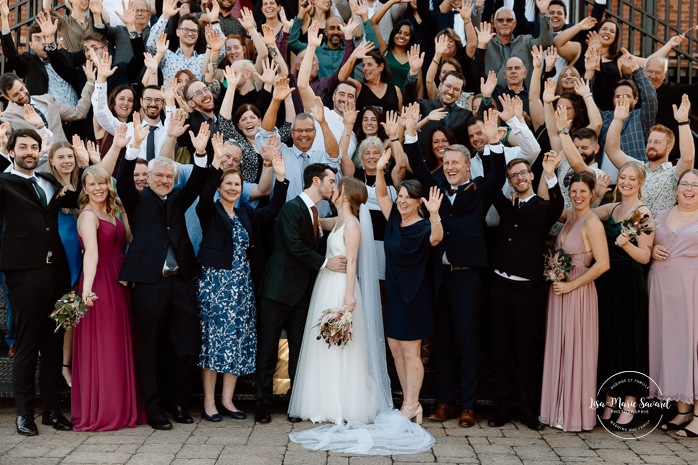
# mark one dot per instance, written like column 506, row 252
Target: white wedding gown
column 349, row 386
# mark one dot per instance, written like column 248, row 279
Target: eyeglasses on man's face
column 521, row 174
column 201, row 93
column 186, row 30
column 157, row 100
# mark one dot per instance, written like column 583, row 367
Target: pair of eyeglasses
column 686, row 185
column 186, row 30
column 149, row 100
column 505, row 20
column 141, row 11
column 521, row 174
column 201, row 93
column 304, row 131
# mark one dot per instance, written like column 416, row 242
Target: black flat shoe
column 234, row 414
column 262, row 415
column 673, row 426
column 216, row 417
column 56, row 419
column 180, row 415
column 294, row 419
column 26, row 425
column 160, row 422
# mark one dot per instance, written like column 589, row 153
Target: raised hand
column 543, row 5
column 508, row 109
column 622, row 110
column 537, row 54
column 415, row 59
column 592, row 60
column 391, row 125
column 213, row 39
column 4, row 8
column 350, row 113
column 150, row 62
column 139, row 132
column 593, row 39
column 602, row 182
column 363, row 49
column 434, row 202
column 437, row 114
column 120, row 140
column 232, row 77
column 349, row 28
column 549, row 91
column 169, row 92
column 282, row 89
column 466, row 11
column 169, row 8
column 279, row 166
column 628, row 63
column 162, row 44
column 518, row 108
column 269, row 68
column 93, row 153
column 411, row 118
column 214, row 12
column 581, row 87
column 561, row 118
column 485, row 34
column 681, row 113
column 676, row 40
column 32, row 117
column 440, row 45
column 48, row 27
column 247, row 20
column 487, row 87
column 587, row 24
column 287, row 23
column 96, row 7
column 81, row 156
column 128, row 17
column 318, row 110
column 491, row 129
column 314, row 37
column 90, row 71
column 359, row 7
column 104, row 68
column 550, row 161
column 217, row 142
column 271, row 147
column 384, row 160
column 268, row 35
column 200, row 141
column 177, row 128
column 550, row 58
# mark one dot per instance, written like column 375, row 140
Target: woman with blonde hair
column 104, row 395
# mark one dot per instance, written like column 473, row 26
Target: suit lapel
column 308, row 219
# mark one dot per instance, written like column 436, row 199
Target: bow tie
column 453, row 190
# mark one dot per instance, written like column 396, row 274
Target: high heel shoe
column 413, row 412
column 675, row 427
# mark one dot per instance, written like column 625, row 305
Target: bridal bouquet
column 69, row 309
column 557, row 266
column 335, row 326
column 636, row 225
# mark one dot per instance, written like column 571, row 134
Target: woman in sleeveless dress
column 376, row 90
column 673, row 309
column 623, row 300
column 571, row 343
column 104, row 395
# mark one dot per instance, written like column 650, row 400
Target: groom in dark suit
column 517, row 292
column 36, row 272
column 288, row 281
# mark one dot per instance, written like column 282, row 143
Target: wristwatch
column 133, row 35
column 563, row 131
column 50, row 47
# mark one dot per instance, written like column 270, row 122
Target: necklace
column 366, row 175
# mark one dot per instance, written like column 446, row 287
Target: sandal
column 676, row 427
column 688, row 433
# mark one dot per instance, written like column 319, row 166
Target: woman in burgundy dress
column 104, row 396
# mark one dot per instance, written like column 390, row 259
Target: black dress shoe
column 262, row 415
column 180, row 415
column 499, row 420
column 535, row 424
column 216, row 417
column 294, row 419
column 26, row 425
column 159, row 421
column 56, row 419
column 234, row 414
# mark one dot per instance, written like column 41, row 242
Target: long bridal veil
column 390, row 433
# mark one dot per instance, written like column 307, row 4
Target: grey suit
column 118, row 35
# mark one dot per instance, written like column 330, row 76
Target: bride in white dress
column 349, row 385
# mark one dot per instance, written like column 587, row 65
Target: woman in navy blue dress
column 409, row 244
column 232, row 256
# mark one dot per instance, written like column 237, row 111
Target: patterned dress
column 227, row 313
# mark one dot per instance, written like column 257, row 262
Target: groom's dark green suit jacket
column 294, row 262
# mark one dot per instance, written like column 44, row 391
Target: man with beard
column 229, row 23
column 331, row 52
column 152, row 103
column 36, row 272
column 662, row 176
column 517, row 293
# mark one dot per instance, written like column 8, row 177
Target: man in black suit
column 162, row 267
column 464, row 255
column 36, row 272
column 288, row 281
column 517, row 294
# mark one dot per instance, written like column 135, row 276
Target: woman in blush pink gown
column 104, row 395
column 571, row 342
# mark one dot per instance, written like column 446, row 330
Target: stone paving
column 241, row 442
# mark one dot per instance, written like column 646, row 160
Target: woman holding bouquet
column 673, row 308
column 104, row 395
column 571, row 343
column 622, row 291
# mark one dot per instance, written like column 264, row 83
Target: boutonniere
column 320, row 232
column 62, row 192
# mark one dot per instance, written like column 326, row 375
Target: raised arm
column 574, row 158
column 331, row 146
column 314, row 42
column 568, row 49
column 549, row 114
column 384, row 201
column 281, row 91
column 612, row 145
column 583, row 89
column 686, row 143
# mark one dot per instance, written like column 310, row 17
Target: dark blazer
column 27, row 65
column 217, row 245
column 520, row 242
column 30, row 229
column 294, row 262
column 464, row 221
column 155, row 223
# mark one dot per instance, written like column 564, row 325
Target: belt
column 169, row 273
column 455, row 268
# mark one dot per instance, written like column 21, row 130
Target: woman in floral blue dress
column 233, row 256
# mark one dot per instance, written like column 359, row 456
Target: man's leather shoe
column 294, row 419
column 159, row 421
column 467, row 418
column 262, row 415
column 180, row 415
column 56, row 419
column 26, row 425
column 535, row 424
column 499, row 420
column 11, row 351
column 443, row 412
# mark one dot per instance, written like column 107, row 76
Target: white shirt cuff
column 550, row 182
column 410, row 139
column 132, row 153
column 200, row 161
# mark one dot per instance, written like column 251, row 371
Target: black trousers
column 271, row 319
column 457, row 329
column 169, row 305
column 33, row 294
column 518, row 330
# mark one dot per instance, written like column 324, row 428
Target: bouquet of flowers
column 636, row 224
column 335, row 326
column 557, row 266
column 69, row 309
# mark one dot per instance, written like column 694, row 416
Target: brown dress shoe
column 467, row 418
column 443, row 412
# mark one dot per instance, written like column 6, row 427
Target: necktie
column 150, row 143
column 448, row 114
column 170, row 259
column 522, row 203
column 306, row 161
column 452, row 191
column 316, row 220
column 39, row 191
column 40, row 113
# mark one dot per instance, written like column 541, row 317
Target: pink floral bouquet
column 69, row 309
column 557, row 267
column 636, row 224
column 335, row 326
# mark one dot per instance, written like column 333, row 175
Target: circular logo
column 633, row 414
